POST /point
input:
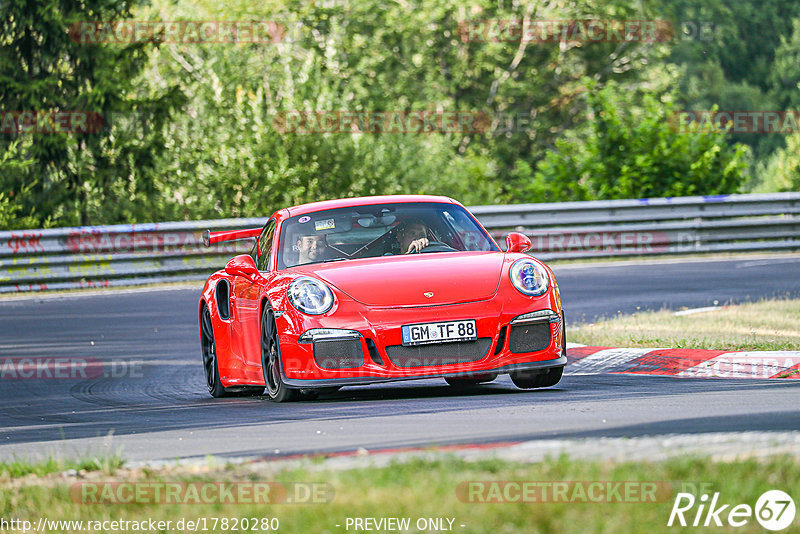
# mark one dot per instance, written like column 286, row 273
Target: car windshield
column 379, row 230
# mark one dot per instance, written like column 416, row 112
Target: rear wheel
column 276, row 390
column 472, row 380
column 211, row 365
column 531, row 380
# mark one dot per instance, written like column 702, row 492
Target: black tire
column 276, row 390
column 531, row 380
column 210, row 366
column 459, row 381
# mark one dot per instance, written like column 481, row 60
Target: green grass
column 763, row 325
column 422, row 489
column 20, row 467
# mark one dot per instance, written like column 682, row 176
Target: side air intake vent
column 223, row 299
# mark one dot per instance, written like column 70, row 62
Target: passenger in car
column 312, row 248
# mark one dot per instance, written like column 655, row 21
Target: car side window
column 264, row 248
column 466, row 231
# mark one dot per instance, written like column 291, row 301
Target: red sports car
column 366, row 290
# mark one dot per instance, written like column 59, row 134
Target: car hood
column 451, row 277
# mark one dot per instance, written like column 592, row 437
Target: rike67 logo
column 774, row 510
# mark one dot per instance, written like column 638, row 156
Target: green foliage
column 737, row 55
column 11, row 216
column 358, row 57
column 190, row 127
column 781, row 172
column 784, row 77
column 637, row 153
column 90, row 175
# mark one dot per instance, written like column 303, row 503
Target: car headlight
column 310, row 296
column 529, row 277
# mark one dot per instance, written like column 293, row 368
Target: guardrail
column 678, row 225
column 105, row 256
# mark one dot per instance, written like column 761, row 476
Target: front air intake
column 342, row 353
column 529, row 337
column 439, row 353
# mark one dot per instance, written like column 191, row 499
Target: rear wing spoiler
column 210, row 238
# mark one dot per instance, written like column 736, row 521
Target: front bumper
column 362, row 380
column 377, row 354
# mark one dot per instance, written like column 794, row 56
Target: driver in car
column 413, row 236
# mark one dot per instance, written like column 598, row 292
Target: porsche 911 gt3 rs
column 365, row 290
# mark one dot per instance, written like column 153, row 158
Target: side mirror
column 242, row 265
column 516, row 242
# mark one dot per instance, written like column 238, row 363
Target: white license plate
column 444, row 332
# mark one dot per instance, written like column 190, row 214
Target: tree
column 190, row 128
column 10, row 208
column 737, row 55
column 785, row 75
column 782, row 171
column 92, row 171
column 638, row 153
column 369, row 55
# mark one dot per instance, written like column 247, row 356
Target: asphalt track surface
column 152, row 403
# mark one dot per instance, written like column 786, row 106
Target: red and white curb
column 684, row 363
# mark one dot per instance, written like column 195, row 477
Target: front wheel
column 529, row 380
column 276, row 390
